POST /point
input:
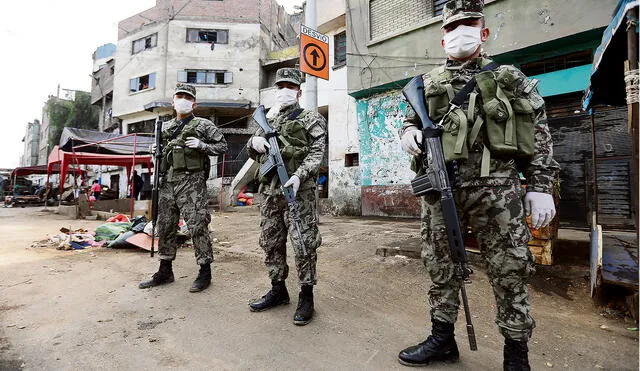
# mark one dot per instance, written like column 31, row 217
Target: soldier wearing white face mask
column 489, row 135
column 187, row 143
column 301, row 138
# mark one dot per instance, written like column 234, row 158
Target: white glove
column 193, row 142
column 259, row 144
column 293, row 182
column 410, row 140
column 152, row 149
column 541, row 208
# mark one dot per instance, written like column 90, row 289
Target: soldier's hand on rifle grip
column 259, row 144
column 411, row 142
column 294, row 183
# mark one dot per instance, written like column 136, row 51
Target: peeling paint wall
column 381, row 158
column 384, row 166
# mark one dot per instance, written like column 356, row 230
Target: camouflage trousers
column 186, row 194
column 275, row 223
column 496, row 216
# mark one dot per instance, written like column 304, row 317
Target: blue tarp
column 607, row 85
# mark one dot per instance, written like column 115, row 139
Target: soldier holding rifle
column 187, row 143
column 289, row 194
column 492, row 124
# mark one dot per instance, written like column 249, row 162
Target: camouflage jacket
column 540, row 171
column 316, row 131
column 213, row 142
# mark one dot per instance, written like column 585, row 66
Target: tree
column 75, row 114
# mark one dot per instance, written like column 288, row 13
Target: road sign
column 314, row 53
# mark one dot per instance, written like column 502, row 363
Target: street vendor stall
column 614, row 82
column 86, row 147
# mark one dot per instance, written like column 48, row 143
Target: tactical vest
column 293, row 143
column 507, row 121
column 180, row 158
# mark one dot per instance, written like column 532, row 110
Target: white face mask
column 462, row 42
column 286, row 97
column 182, row 106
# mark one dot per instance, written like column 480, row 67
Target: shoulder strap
column 462, row 95
column 179, row 128
column 296, row 112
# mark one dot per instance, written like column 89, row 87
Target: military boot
column 304, row 312
column 278, row 295
column 162, row 276
column 516, row 356
column 440, row 346
column 203, row 280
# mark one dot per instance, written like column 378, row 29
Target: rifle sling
column 179, row 128
column 462, row 95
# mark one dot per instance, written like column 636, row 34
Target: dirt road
column 82, row 310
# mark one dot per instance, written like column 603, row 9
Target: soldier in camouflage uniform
column 488, row 194
column 187, row 143
column 301, row 138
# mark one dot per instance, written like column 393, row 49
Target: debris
column 22, row 327
column 632, row 328
column 152, row 340
column 549, row 364
column 605, row 327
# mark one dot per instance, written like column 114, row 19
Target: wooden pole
column 630, row 65
column 594, row 170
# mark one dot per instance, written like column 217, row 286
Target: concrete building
column 339, row 176
column 215, row 45
column 31, row 142
column 102, row 86
column 552, row 41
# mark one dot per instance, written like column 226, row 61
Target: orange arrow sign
column 314, row 53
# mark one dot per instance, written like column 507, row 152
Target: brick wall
column 388, row 16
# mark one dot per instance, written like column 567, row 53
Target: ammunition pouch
column 293, row 143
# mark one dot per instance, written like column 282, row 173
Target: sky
column 49, row 42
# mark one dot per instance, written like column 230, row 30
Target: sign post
column 314, row 53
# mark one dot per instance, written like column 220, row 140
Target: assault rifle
column 275, row 162
column 156, row 184
column 436, row 179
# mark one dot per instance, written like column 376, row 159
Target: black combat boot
column 516, row 356
column 162, row 276
column 304, row 312
column 203, row 280
column 278, row 295
column 440, row 346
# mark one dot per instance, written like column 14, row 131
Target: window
column 210, row 77
column 387, row 17
column 351, row 159
column 144, row 43
column 557, row 63
column 340, row 49
column 438, row 5
column 142, row 83
column 195, row 35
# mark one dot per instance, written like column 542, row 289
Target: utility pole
column 311, row 86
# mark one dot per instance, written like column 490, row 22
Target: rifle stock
column 275, row 161
column 437, row 179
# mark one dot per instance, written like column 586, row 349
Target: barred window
column 388, row 16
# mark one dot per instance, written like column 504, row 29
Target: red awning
column 64, row 159
column 41, row 169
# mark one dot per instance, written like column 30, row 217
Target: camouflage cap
column 456, row 10
column 185, row 88
column 291, row 75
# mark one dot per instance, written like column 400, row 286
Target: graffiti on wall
column 382, row 160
